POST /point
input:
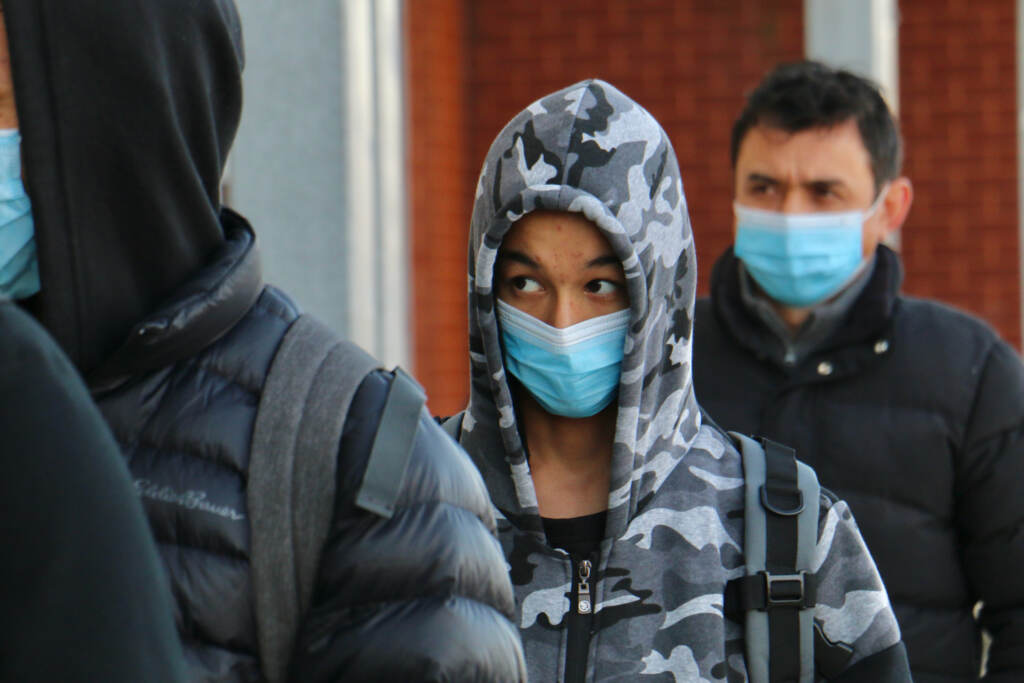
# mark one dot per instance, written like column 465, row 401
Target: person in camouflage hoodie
column 635, row 590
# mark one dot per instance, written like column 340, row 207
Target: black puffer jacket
column 386, row 589
column 127, row 110
column 914, row 414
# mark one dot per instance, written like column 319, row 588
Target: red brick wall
column 687, row 61
column 958, row 109
column 439, row 196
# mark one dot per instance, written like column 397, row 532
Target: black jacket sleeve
column 990, row 511
column 423, row 596
column 83, row 596
column 888, row 666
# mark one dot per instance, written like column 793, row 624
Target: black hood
column 127, row 110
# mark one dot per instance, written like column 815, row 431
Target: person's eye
column 522, row 283
column 824, row 192
column 602, row 287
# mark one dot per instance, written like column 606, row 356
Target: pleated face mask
column 801, row 259
column 571, row 371
column 19, row 266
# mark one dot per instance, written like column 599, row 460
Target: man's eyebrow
column 824, row 183
column 606, row 260
column 761, row 178
column 520, row 257
column 814, row 183
column 517, row 257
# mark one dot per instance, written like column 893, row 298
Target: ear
column 896, row 205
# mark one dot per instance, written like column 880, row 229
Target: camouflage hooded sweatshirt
column 674, row 533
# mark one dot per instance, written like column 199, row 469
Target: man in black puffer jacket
column 127, row 109
column 911, row 411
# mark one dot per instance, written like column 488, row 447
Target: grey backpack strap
column 392, row 446
column 779, row 591
column 292, row 468
column 453, row 425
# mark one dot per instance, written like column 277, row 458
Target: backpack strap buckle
column 764, row 591
column 785, row 590
column 785, row 501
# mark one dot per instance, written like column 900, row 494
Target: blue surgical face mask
column 571, row 371
column 19, row 266
column 800, row 259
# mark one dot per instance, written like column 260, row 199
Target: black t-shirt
column 581, row 538
column 578, row 536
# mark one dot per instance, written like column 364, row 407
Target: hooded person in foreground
column 620, row 510
column 83, row 595
column 126, row 111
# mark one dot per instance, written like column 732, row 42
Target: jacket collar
column 869, row 317
column 196, row 315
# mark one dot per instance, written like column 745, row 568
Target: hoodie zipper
column 583, row 603
column 580, row 620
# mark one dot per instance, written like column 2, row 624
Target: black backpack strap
column 778, row 593
column 292, row 476
column 392, row 446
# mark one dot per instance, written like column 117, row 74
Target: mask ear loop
column 867, row 216
column 878, row 201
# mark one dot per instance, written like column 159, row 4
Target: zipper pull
column 583, row 603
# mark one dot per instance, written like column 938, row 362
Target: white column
column 859, row 35
column 394, row 256
column 287, row 168
column 378, row 243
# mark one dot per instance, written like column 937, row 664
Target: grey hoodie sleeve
column 853, row 607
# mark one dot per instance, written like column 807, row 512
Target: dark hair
column 802, row 95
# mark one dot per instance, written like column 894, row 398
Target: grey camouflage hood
column 590, row 149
